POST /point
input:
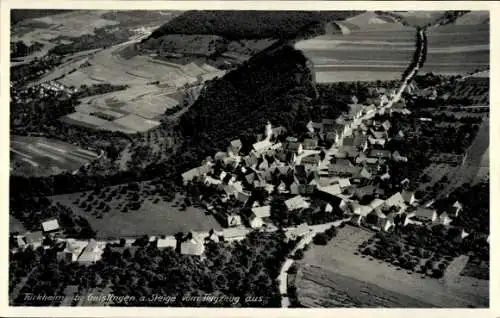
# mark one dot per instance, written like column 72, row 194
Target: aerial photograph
column 265, row 159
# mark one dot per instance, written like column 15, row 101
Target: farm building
column 296, row 203
column 193, row 245
column 91, row 253
column 50, row 226
column 167, row 241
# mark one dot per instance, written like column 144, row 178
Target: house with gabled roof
column 310, row 143
column 35, row 239
column 331, row 190
column 380, row 154
column 455, row 209
column 297, row 232
column 444, row 219
column 235, row 233
column 344, row 182
column 166, row 241
column 377, row 141
column 91, row 253
column 409, row 197
column 243, row 196
column 233, row 220
column 378, row 220
column 296, row 203
column 234, row 147
column 360, row 212
column 386, row 125
column 192, row 245
column 378, row 134
column 262, row 212
column 396, row 200
column 396, row 156
column 424, row 215
column 262, row 146
column 50, row 226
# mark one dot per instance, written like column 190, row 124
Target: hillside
column 251, row 24
column 19, row 15
column 474, row 18
column 371, row 21
column 269, row 86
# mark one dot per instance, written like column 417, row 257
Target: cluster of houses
column 56, row 87
column 343, row 175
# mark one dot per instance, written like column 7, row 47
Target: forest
column 251, row 24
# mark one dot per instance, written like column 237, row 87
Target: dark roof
column 348, row 141
column 380, row 153
column 292, row 145
column 359, row 140
column 312, row 159
column 236, row 143
column 424, row 213
column 310, row 142
column 301, row 173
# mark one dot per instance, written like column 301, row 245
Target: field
column 61, row 28
column 161, row 218
column 334, row 269
column 457, row 49
column 139, row 107
column 370, row 49
column 36, row 156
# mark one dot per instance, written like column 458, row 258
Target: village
column 333, row 169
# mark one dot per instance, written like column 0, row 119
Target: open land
column 41, row 156
column 139, row 107
column 161, row 218
column 457, row 49
column 370, row 49
column 327, row 269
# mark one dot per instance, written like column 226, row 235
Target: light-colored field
column 139, row 107
column 369, row 21
column 420, row 18
column 364, row 54
column 160, row 218
column 474, row 18
column 457, row 49
column 384, row 285
column 40, row 156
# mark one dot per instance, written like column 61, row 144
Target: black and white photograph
column 249, row 158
